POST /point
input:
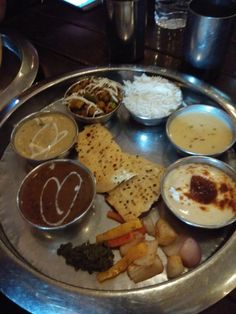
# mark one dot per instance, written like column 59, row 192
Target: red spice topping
column 232, row 204
column 202, row 190
column 224, row 188
column 206, row 172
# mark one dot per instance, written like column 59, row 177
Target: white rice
column 151, row 96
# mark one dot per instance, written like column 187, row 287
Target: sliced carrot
column 115, row 216
column 117, row 242
column 120, row 230
column 134, row 253
column 141, row 230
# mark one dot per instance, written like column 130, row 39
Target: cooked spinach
column 90, row 257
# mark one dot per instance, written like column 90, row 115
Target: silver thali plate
column 32, row 274
column 18, row 69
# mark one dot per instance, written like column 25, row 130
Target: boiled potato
column 174, row 266
column 164, row 232
column 139, row 273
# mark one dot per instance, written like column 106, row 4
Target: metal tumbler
column 208, row 31
column 126, row 21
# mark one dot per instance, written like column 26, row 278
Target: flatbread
column 136, row 196
column 131, row 181
column 102, row 155
column 141, row 165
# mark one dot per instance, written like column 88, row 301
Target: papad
column 136, row 196
column 102, row 155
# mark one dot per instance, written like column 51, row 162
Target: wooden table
column 67, row 39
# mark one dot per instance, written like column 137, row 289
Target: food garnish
column 202, row 190
column 93, row 96
column 93, row 257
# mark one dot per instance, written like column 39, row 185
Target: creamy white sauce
column 177, row 185
column 59, row 186
column 94, row 86
column 39, row 150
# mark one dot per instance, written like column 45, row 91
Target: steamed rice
column 151, row 96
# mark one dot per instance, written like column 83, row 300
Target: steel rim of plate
column 167, row 296
column 26, row 75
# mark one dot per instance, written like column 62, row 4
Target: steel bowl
column 102, row 118
column 214, row 112
column 177, row 195
column 148, row 121
column 151, row 99
column 90, row 120
column 56, row 194
column 40, row 117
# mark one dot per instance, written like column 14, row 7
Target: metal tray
column 18, row 69
column 32, row 274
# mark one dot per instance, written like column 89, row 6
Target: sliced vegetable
column 141, row 230
column 149, row 222
column 164, row 232
column 139, row 273
column 149, row 258
column 174, row 266
column 124, row 239
column 119, row 230
column 135, row 252
column 174, row 247
column 138, row 237
column 115, row 216
column 117, row 242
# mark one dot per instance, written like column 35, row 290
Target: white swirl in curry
column 59, row 187
column 45, row 135
column 55, row 193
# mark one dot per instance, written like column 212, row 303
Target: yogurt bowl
column 201, row 191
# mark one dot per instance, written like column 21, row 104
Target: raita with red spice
column 201, row 194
